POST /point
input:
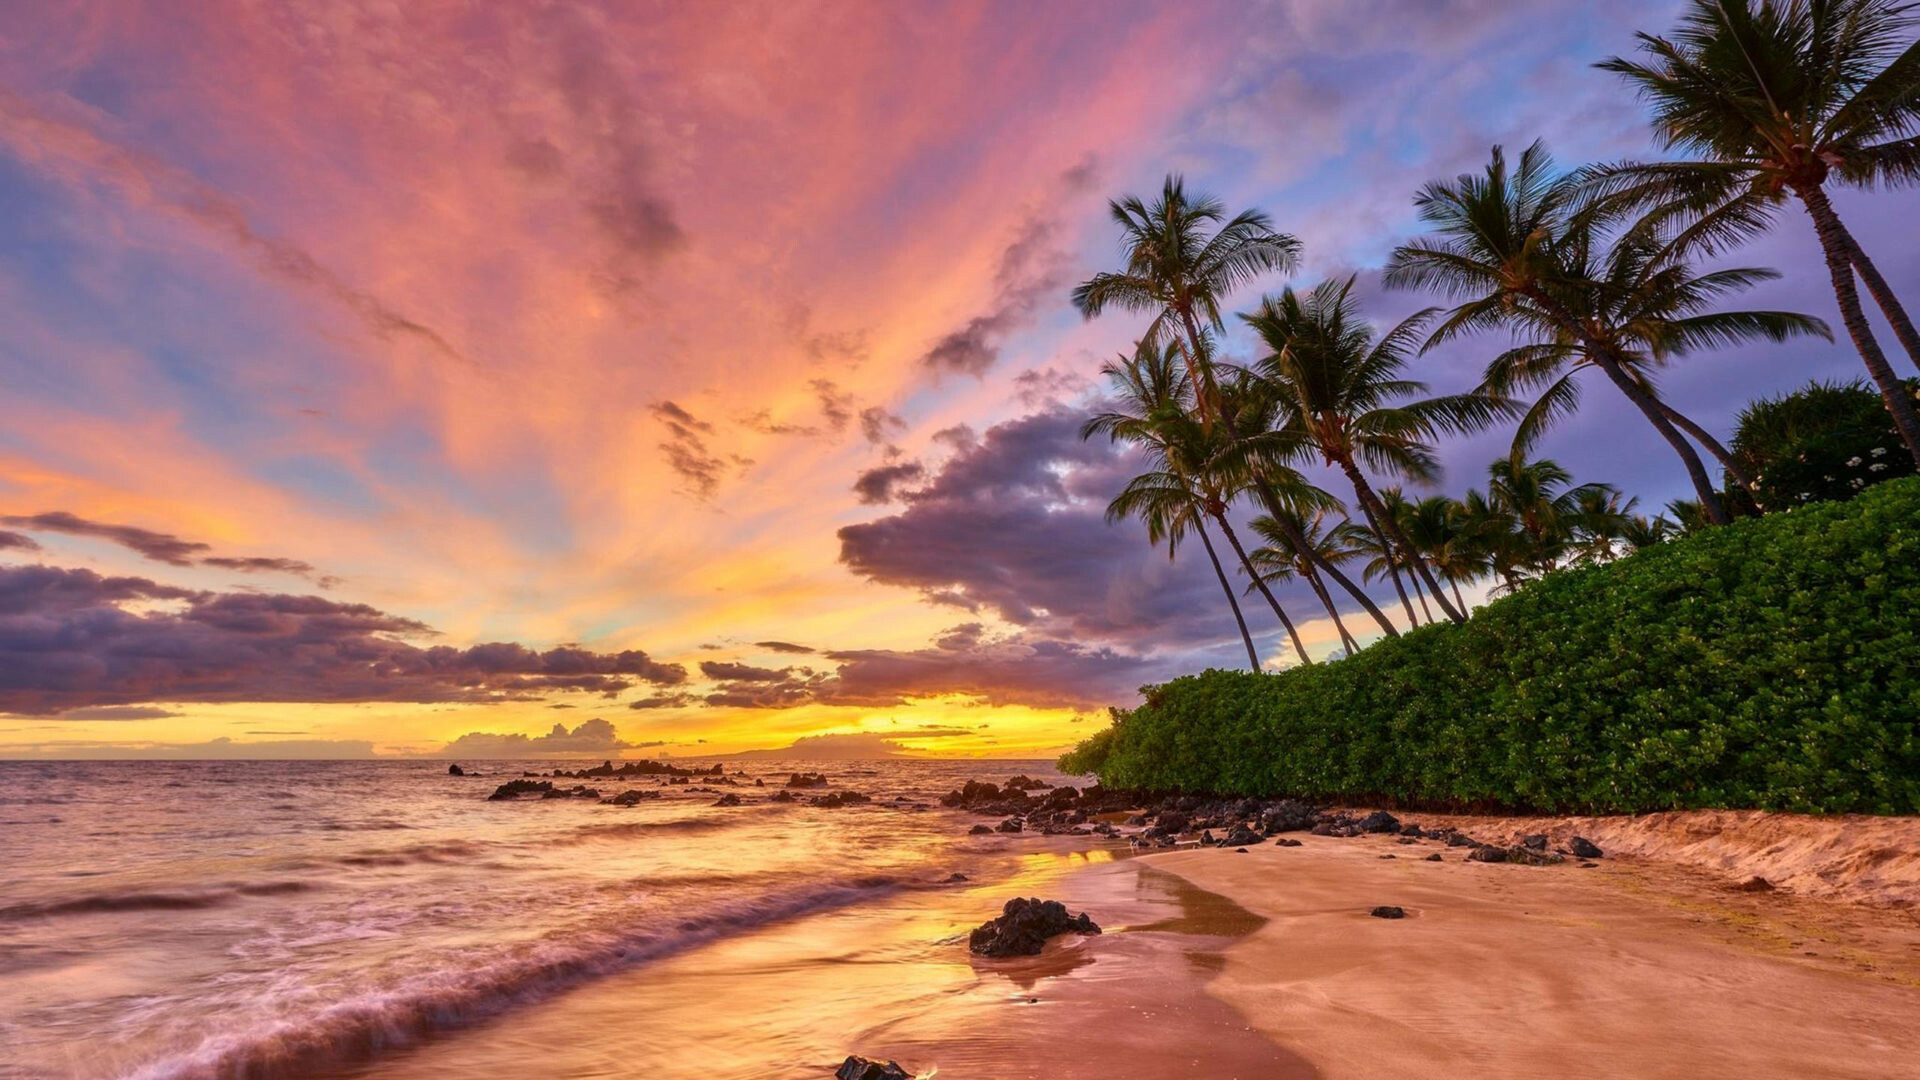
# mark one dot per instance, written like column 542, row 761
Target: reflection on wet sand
column 894, row 980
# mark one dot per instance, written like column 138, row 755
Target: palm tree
column 1179, row 271
column 1494, row 538
column 1644, row 532
column 1538, row 495
column 1292, row 542
column 1432, row 525
column 1181, row 488
column 1604, row 522
column 1342, row 391
column 1779, row 99
column 1379, row 560
column 1512, row 251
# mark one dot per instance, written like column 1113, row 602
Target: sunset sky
column 695, row 377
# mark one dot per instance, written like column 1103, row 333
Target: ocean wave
column 361, row 1027
column 620, row 829
column 102, row 903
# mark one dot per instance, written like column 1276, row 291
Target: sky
column 503, row 380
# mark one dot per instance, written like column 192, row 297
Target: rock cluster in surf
column 1024, row 926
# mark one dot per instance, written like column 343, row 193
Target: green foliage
column 1820, row 443
column 1772, row 663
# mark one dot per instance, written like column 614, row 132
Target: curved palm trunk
column 1383, row 522
column 1312, row 575
column 1233, row 541
column 1705, row 438
column 1301, row 544
column 1421, row 595
column 1205, row 394
column 1836, row 244
column 1393, row 567
column 1883, row 296
column 1457, row 598
column 1650, row 407
column 1227, row 587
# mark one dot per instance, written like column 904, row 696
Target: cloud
column 595, row 737
column 836, row 405
column 1047, row 386
column 847, row 746
column 877, row 425
column 663, row 700
column 161, row 547
column 220, row 749
column 686, row 450
column 783, row 647
column 1031, row 268
column 715, row 669
column 67, row 642
column 129, row 712
column 879, row 485
column 17, row 542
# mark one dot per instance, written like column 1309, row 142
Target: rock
column 1387, row 911
column 727, row 800
column 1487, row 853
column 1011, row 825
column 1537, row 842
column 1412, row 830
column 1024, row 926
column 1286, row 841
column 783, row 795
column 631, row 796
column 1287, row 815
column 954, row 879
column 1462, row 840
column 456, row 770
column 1435, row 857
column 839, row 799
column 806, row 779
column 1527, row 856
column 1173, row 824
column 859, row 1068
column 980, row 830
column 1241, row 850
column 1582, row 848
column 1241, row 836
column 1409, row 840
column 1380, row 822
column 513, row 789
column 1026, row 783
column 1389, row 856
column 1755, row 883
column 1588, row 865
column 577, row 791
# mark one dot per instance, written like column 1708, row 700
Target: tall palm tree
column 1604, row 522
column 1779, row 98
column 1432, row 525
column 1342, row 390
column 1152, row 397
column 1495, row 538
column 1511, row 250
column 1183, row 256
column 1288, row 554
column 1379, row 560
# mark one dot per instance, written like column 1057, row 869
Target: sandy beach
column 1634, row 967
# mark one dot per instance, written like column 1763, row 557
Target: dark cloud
column 836, row 405
column 133, row 712
column 783, row 647
column 66, row 642
column 763, row 422
column 687, row 452
column 158, row 546
column 1047, row 386
column 221, row 749
column 881, row 484
column 877, row 425
column 722, row 670
column 663, row 700
column 17, row 542
column 1031, row 268
column 595, row 737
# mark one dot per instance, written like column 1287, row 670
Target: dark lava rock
column 456, row 770
column 1487, row 853
column 1286, row 841
column 1583, row 848
column 972, row 793
column 956, row 878
column 1409, row 840
column 1412, row 830
column 1588, row 865
column 806, row 779
column 727, row 800
column 1241, row 836
column 1435, row 857
column 859, row 1068
column 1026, row 783
column 980, row 830
column 839, row 799
column 1380, row 822
column 1755, row 883
column 1462, row 840
column 1011, row 825
column 1175, row 822
column 577, row 791
column 1287, row 815
column 1024, row 926
column 1537, row 841
column 1387, row 911
column 1527, row 856
column 513, row 789
column 631, row 796
column 1389, row 856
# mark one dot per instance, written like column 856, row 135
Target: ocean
column 163, row 920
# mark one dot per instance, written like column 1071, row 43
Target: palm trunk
column 1384, row 521
column 1233, row 541
column 1347, row 641
column 1705, row 438
column 1650, row 406
column 1835, row 243
column 1301, row 544
column 1233, row 601
column 1386, row 556
column 1457, row 598
column 1883, row 296
column 1200, row 370
column 1421, row 595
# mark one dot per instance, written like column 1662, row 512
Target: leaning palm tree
column 1511, row 250
column 1778, row 99
column 1604, row 524
column 1644, row 532
column 1297, row 547
column 1495, row 538
column 1432, row 525
column 1181, row 487
column 1182, row 257
column 1540, row 496
column 1342, row 390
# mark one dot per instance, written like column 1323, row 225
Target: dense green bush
column 1771, row 663
column 1823, row 442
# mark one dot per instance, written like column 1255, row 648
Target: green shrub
column 1772, row 663
column 1820, row 443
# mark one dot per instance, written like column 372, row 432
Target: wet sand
column 1628, row 969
